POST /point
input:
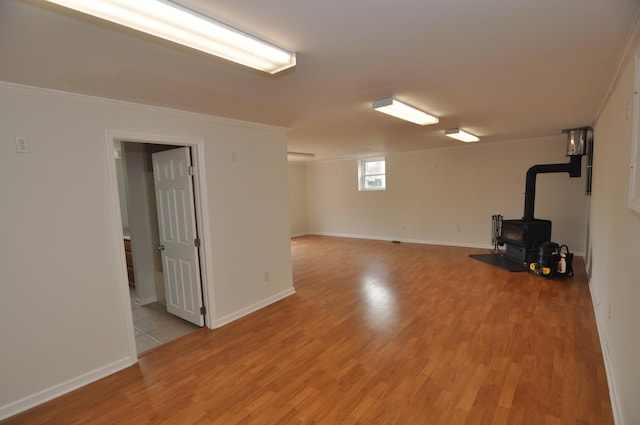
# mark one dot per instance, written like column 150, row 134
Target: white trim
column 63, row 388
column 204, row 231
column 201, row 201
column 626, row 54
column 634, row 165
column 255, row 307
column 116, row 240
column 362, row 174
column 157, row 139
column 418, row 241
column 145, row 301
column 297, row 235
column 453, row 146
column 604, row 347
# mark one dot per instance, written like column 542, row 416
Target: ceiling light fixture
column 172, row 22
column 463, row 136
column 303, row 154
column 393, row 107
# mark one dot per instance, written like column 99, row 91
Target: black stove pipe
column 573, row 167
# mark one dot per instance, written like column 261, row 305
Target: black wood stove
column 522, row 238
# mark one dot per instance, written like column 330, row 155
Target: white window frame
column 362, row 174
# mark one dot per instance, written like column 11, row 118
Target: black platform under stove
column 499, row 260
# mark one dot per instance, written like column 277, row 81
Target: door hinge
column 196, row 242
column 190, row 170
column 203, row 310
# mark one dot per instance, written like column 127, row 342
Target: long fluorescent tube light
column 303, row 154
column 393, row 107
column 463, row 136
column 175, row 23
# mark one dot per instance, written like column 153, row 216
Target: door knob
column 160, row 247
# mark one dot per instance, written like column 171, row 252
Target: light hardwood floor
column 377, row 333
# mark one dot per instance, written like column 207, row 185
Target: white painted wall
column 615, row 248
column 298, row 199
column 448, row 196
column 64, row 307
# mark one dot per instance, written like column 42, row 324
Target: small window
column 371, row 174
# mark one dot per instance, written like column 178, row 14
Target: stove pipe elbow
column 573, row 167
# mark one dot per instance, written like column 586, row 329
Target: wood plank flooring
column 377, row 333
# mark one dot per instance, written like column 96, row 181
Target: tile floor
column 153, row 326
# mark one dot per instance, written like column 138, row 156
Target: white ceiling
column 502, row 69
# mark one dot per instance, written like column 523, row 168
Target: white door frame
column 200, row 192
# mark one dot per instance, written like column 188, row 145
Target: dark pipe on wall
column 573, row 167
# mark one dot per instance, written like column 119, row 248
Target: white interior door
column 178, row 236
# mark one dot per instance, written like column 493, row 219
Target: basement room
column 281, row 212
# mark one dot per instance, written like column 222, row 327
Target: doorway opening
column 165, row 287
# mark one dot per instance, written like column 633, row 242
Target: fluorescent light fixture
column 302, row 154
column 172, row 22
column 393, row 107
column 463, row 136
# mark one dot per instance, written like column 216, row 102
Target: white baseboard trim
column 253, row 308
column 65, row 387
column 419, row 241
column 145, row 301
column 607, row 361
column 297, row 235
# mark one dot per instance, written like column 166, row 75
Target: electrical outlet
column 22, row 145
